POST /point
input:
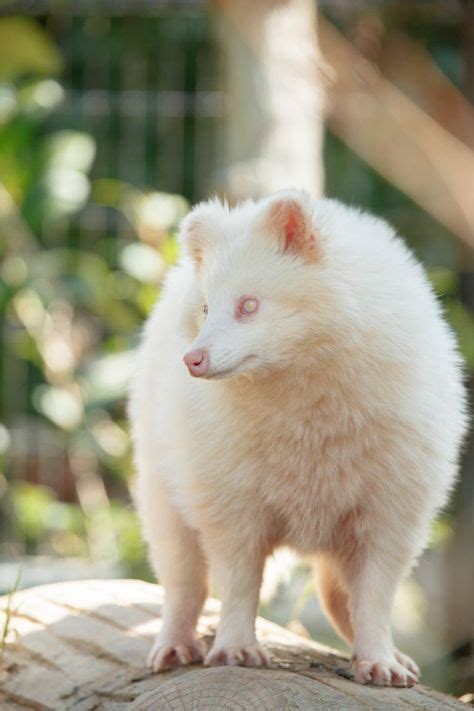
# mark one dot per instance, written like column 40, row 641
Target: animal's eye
column 247, row 305
column 205, row 309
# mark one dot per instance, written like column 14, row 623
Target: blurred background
column 115, row 116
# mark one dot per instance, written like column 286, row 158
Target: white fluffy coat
column 329, row 421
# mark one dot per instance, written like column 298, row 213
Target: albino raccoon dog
column 319, row 406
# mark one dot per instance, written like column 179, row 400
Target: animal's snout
column 197, row 362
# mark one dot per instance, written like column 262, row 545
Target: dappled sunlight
column 143, row 263
column 411, row 605
column 14, row 270
column 69, row 158
column 47, row 94
column 109, row 435
column 107, row 137
column 63, row 407
column 156, row 213
column 107, row 378
column 69, row 189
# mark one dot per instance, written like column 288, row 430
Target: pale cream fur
column 330, row 421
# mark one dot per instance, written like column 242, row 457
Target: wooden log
column 83, row 645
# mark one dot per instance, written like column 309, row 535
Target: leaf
column 26, row 49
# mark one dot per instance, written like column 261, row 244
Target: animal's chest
column 307, row 478
column 288, row 466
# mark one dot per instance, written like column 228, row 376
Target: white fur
column 330, row 421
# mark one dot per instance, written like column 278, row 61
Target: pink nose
column 197, row 362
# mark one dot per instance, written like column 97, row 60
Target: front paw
column 384, row 673
column 408, row 662
column 168, row 654
column 250, row 655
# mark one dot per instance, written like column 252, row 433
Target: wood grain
column 83, row 645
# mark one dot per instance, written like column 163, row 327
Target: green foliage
column 82, row 257
column 463, row 323
column 26, row 48
column 129, row 540
column 71, row 310
column 40, row 519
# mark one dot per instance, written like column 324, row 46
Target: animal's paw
column 165, row 655
column 408, row 663
column 384, row 673
column 251, row 655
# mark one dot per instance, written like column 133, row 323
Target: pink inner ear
column 290, row 223
column 294, row 229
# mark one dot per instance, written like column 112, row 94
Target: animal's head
column 259, row 301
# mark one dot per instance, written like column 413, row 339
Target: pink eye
column 247, row 305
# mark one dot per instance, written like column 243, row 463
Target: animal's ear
column 286, row 219
column 198, row 232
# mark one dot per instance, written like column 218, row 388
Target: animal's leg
column 180, row 566
column 238, row 574
column 335, row 602
column 372, row 577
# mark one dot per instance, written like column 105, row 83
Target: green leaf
column 26, row 49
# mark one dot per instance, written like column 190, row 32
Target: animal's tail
column 333, row 597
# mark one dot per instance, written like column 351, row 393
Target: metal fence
column 145, row 86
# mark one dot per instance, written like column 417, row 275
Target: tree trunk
column 272, row 137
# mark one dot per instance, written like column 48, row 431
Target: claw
column 165, row 656
column 252, row 655
column 384, row 673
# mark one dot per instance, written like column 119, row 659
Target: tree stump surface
column 83, row 645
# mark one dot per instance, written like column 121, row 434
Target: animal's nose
column 197, row 362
